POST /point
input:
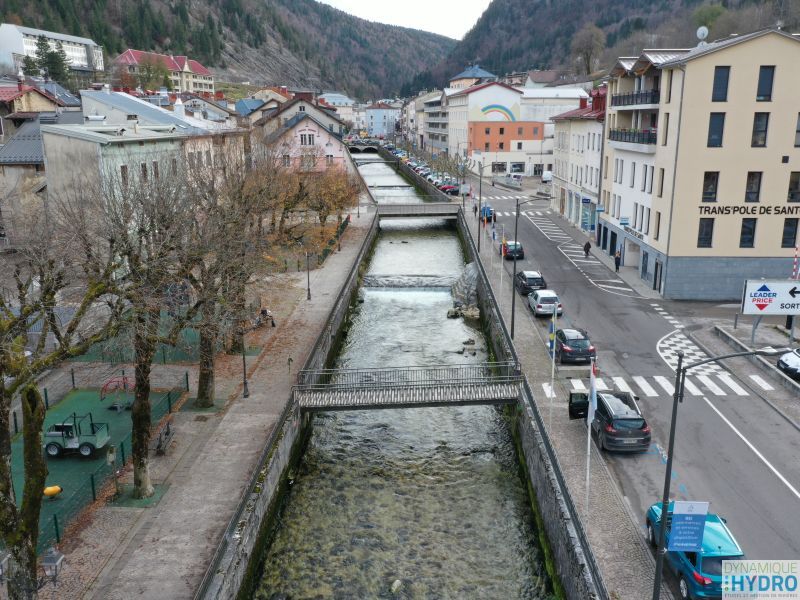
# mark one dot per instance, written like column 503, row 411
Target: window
column 486, row 147
column 329, row 159
column 748, row 235
column 644, row 177
column 144, row 171
column 760, row 124
column 605, row 168
column 535, row 131
column 486, row 131
column 789, row 239
column 123, row 174
column 519, row 145
column 301, row 108
column 705, row 232
column 719, row 91
column 765, row 77
column 716, row 127
column 658, row 217
column 710, row 183
column 174, row 166
column 155, row 170
column 621, row 169
column 650, row 181
column 669, row 86
column 633, row 174
column 306, row 139
column 635, row 215
column 794, row 187
column 208, row 158
column 666, row 129
column 519, row 130
column 501, row 146
column 752, row 189
column 308, row 161
column 286, row 160
column 502, row 130
column 646, row 224
column 660, row 182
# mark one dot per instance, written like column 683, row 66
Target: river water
column 413, row 503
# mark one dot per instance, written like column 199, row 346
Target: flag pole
column 589, row 419
column 553, row 326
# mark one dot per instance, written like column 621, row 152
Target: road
column 732, row 449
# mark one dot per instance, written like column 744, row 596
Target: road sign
column 688, row 523
column 771, row 297
column 624, row 221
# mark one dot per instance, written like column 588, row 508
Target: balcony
column 634, row 136
column 636, row 98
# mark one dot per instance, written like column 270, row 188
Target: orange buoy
column 52, row 491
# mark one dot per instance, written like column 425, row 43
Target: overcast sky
column 452, row 18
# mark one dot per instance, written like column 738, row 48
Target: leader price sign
column 778, row 297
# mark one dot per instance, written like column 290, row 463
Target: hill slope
column 296, row 42
column 514, row 35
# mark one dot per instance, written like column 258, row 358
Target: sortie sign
column 775, row 297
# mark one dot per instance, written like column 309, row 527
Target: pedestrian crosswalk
column 653, row 386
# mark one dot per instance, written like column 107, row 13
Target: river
column 413, row 503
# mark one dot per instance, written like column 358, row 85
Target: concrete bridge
column 408, row 387
column 447, row 210
column 368, row 148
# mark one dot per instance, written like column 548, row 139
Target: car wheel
column 86, row 449
column 53, row 449
column 651, row 534
column 683, row 588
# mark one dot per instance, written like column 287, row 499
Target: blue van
column 699, row 573
column 486, row 211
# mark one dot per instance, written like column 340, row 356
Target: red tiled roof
column 197, row 68
column 172, row 63
column 9, row 94
column 581, row 113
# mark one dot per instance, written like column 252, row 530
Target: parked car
column 447, row 186
column 453, row 191
column 542, row 302
column 528, row 281
column 789, row 363
column 699, row 573
column 512, row 249
column 573, row 345
column 618, row 423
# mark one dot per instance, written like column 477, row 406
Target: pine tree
column 29, row 66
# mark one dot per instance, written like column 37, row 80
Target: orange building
column 503, row 136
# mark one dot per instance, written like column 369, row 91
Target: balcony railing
column 633, row 98
column 634, row 136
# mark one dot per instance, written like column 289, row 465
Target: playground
column 82, row 477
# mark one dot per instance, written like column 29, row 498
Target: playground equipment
column 75, row 433
column 51, row 491
column 117, row 389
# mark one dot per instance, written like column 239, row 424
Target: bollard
column 58, row 533
column 46, row 400
column 16, row 427
column 298, row 264
column 94, row 490
column 186, row 379
column 169, row 402
column 72, row 374
column 122, row 452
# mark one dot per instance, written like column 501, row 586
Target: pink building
column 305, row 143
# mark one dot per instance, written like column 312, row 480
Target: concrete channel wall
column 230, row 568
column 575, row 564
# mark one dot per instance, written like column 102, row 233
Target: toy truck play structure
column 76, row 432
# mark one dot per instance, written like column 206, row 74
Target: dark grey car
column 618, row 423
column 573, row 345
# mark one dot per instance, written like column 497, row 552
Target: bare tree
column 587, row 45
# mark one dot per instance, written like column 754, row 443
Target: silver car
column 543, row 301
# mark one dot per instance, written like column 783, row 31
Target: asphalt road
column 732, row 449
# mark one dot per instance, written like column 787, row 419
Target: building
column 472, row 75
column 538, row 79
column 17, row 42
column 275, row 120
column 577, row 161
column 343, row 105
column 304, row 143
column 185, row 74
column 435, row 128
column 381, row 119
column 20, row 103
column 702, row 167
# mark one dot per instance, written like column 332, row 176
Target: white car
column 789, row 363
column 543, row 301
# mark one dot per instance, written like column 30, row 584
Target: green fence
column 333, row 241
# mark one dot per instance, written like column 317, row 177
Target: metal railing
column 437, row 375
column 634, row 136
column 634, row 98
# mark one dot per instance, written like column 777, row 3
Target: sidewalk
column 162, row 551
column 614, row 532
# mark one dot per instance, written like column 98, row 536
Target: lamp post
column 52, row 565
column 308, row 278
column 514, row 276
column 680, row 379
column 245, row 389
column 480, row 197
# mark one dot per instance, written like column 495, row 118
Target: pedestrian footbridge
column 408, row 387
column 448, row 210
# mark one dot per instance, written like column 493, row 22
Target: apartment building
column 577, row 161
column 435, row 121
column 701, row 167
column 381, row 119
column 17, row 42
column 185, row 74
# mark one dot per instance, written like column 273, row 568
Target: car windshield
column 534, row 280
column 514, row 245
column 547, row 300
column 628, row 423
column 712, row 565
column 578, row 343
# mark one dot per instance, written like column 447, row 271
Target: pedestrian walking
column 494, row 217
column 617, row 260
column 475, row 210
column 586, row 247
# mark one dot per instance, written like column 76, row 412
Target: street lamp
column 52, row 565
column 245, row 389
column 308, row 278
column 680, row 379
column 480, row 197
column 514, row 276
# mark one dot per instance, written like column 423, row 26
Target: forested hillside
column 299, row 42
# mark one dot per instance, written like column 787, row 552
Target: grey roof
column 56, row 90
column 474, row 72
column 703, row 49
column 25, row 147
column 148, row 114
column 296, row 118
column 115, row 134
column 55, row 35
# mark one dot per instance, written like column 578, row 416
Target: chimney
column 583, row 103
column 179, row 109
column 20, row 80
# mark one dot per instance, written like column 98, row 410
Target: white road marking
column 548, row 391
column 538, row 214
column 664, row 383
column 621, row 384
column 728, row 380
column 614, row 287
column 644, row 386
column 600, row 384
column 693, row 389
column 754, row 449
column 761, row 383
column 577, row 385
column 715, row 389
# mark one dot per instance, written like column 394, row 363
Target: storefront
column 634, row 251
column 588, row 213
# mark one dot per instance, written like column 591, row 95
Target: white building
column 577, row 161
column 344, row 106
column 17, row 42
